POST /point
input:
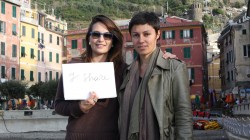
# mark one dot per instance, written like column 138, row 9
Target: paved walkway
column 198, row 135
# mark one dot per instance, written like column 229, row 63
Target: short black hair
column 145, row 17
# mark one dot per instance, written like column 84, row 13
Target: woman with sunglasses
column 94, row 119
column 154, row 96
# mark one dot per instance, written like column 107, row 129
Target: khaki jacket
column 170, row 96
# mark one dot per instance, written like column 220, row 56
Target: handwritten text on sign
column 79, row 79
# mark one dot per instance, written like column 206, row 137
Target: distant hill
column 78, row 13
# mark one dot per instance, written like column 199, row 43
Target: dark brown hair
column 115, row 52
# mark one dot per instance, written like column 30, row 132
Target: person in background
column 154, row 96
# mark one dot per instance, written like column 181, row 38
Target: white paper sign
column 79, row 79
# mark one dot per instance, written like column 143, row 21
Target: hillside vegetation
column 78, row 13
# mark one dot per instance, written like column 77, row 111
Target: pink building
column 9, row 39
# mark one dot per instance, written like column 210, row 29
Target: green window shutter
column 22, row 74
column 163, row 34
column 32, row 33
column 3, row 7
column 14, row 29
column 39, row 77
column 173, row 34
column 42, row 56
column 2, row 48
column 22, row 51
column 14, row 50
column 2, row 71
column 23, row 31
column 83, row 43
column 31, row 76
column 57, row 75
column 74, row 44
column 13, row 73
column 57, row 58
column 181, row 33
column 192, row 73
column 191, row 33
column 38, row 37
column 187, row 52
column 50, row 75
column 58, row 40
column 50, row 56
column 14, row 11
column 32, row 53
column 169, row 50
column 135, row 54
column 38, row 55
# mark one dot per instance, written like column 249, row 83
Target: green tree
column 34, row 89
column 207, row 20
column 13, row 89
column 48, row 90
column 217, row 11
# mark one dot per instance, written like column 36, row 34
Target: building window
column 2, row 7
column 23, row 31
column 32, row 33
column 3, row 72
column 14, row 50
column 2, row 48
column 50, row 56
column 84, row 43
column 38, row 37
column 14, row 29
column 74, row 44
column 186, row 33
column 39, row 76
column 31, row 76
column 22, row 74
column 187, row 52
column 42, row 41
column 246, row 50
column 42, row 56
column 58, row 40
column 14, row 11
column 228, row 76
column 57, row 57
column 2, row 27
column 50, row 75
column 169, row 50
column 50, row 38
column 13, row 73
column 38, row 55
column 32, row 55
column 244, row 31
column 23, row 51
column 168, row 34
column 57, row 75
column 191, row 75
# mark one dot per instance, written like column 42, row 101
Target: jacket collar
column 161, row 62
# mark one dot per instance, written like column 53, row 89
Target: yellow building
column 214, row 81
column 28, row 44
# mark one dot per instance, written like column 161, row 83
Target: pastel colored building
column 9, row 39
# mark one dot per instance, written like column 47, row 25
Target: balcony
column 29, row 20
column 54, row 28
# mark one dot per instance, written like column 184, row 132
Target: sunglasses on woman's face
column 106, row 36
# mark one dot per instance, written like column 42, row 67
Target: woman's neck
column 99, row 58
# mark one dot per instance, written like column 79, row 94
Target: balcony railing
column 29, row 20
column 54, row 28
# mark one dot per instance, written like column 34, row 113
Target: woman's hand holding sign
column 86, row 105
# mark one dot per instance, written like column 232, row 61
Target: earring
column 89, row 43
column 112, row 46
